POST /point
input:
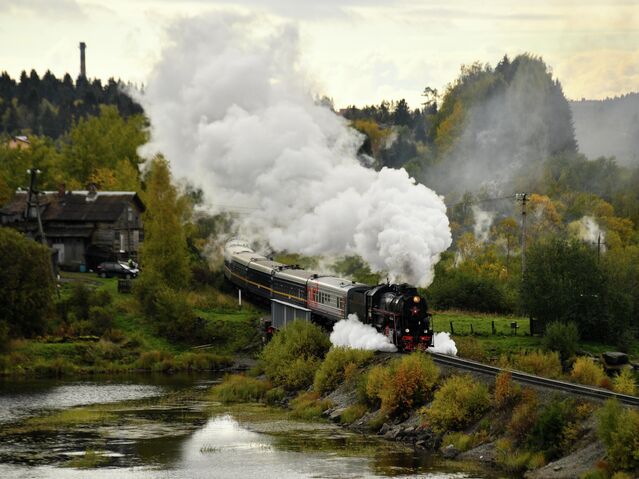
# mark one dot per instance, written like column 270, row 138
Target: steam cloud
column 483, row 222
column 444, row 344
column 507, row 135
column 352, row 333
column 231, row 111
column 590, row 231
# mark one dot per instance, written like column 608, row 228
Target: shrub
column 353, row 413
column 104, row 349
column 470, row 348
column 461, row 441
column 506, row 392
column 408, row 383
column 149, row 359
column 375, row 381
column 291, row 358
column 524, row 416
column 585, row 371
column 516, row 461
column 543, row 364
column 309, row 406
column 200, row 361
column 336, row 364
column 625, row 383
column 459, row 401
column 595, row 474
column 618, row 429
column 240, row 388
column 547, row 433
column 457, row 288
column 621, row 475
column 27, row 284
column 275, row 396
column 563, row 338
column 101, row 319
column 56, row 368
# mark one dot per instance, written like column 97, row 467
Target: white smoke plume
column 444, row 344
column 352, row 333
column 483, row 222
column 232, row 113
column 590, row 231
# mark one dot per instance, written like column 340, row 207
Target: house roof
column 77, row 205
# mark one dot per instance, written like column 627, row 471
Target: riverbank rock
column 571, row 466
column 450, row 452
column 484, row 453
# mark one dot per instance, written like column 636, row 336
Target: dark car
column 110, row 269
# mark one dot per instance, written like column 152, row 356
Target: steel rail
column 521, row 377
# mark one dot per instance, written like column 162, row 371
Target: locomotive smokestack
column 83, row 69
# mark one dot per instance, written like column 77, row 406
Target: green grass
column 504, row 342
column 62, row 419
column 481, row 323
column 90, row 460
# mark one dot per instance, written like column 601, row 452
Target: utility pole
column 34, row 204
column 523, row 197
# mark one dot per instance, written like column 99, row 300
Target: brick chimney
column 83, row 67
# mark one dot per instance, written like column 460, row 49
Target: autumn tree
column 101, row 142
column 164, row 253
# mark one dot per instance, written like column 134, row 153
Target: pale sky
column 356, row 51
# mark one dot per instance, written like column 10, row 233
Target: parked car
column 133, row 267
column 110, row 269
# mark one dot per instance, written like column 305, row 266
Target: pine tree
column 164, row 253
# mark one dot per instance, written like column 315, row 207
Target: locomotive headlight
column 416, row 299
column 407, row 330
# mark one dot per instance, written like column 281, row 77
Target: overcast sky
column 356, row 51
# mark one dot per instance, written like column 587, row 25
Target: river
column 159, row 426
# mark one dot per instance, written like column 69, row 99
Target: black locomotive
column 395, row 310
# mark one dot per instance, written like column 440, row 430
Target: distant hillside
column 608, row 127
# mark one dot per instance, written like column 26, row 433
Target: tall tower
column 83, row 67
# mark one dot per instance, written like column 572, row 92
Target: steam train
column 395, row 310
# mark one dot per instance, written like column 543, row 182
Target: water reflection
column 24, row 398
column 172, row 433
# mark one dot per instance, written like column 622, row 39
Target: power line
column 485, row 200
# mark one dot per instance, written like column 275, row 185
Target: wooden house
column 84, row 227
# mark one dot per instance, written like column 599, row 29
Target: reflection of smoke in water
column 444, row 344
column 352, row 333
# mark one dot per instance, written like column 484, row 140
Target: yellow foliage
column 506, row 392
column 524, row 416
column 625, row 383
column 377, row 135
column 585, row 371
column 459, row 401
column 450, row 128
column 543, row 364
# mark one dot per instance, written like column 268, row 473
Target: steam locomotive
column 395, row 310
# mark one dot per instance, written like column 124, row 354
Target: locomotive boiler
column 395, row 310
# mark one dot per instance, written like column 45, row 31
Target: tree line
column 50, row 106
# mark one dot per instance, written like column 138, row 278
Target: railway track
column 524, row 378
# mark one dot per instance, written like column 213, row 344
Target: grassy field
column 505, row 340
